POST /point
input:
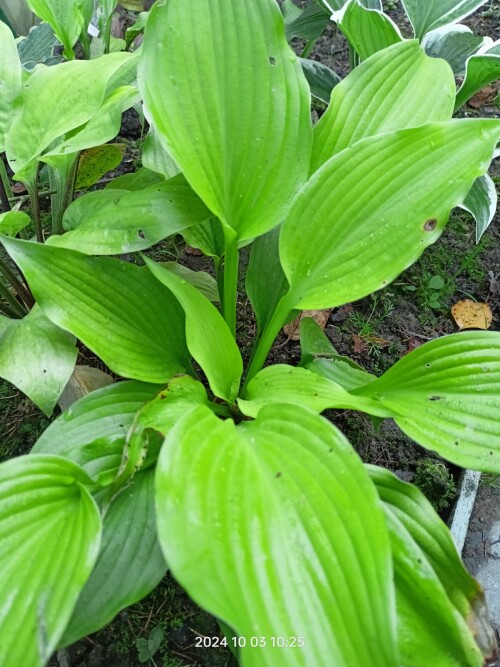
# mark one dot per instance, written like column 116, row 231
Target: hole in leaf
column 272, row 61
column 141, row 234
column 430, row 225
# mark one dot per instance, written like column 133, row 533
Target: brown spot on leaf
column 430, row 225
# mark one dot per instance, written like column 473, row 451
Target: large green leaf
column 11, row 222
column 130, row 563
column 440, row 606
column 265, row 525
column 118, row 310
column 92, row 431
column 481, row 69
column 299, row 386
column 265, row 281
column 374, row 208
column 112, row 222
column 321, row 79
column 446, row 396
column 397, row 88
column 432, row 14
column 208, row 337
column 10, row 80
column 156, row 157
column 37, row 357
column 320, row 357
column 481, row 202
column 46, row 114
column 367, row 30
column 102, row 127
column 67, row 18
column 232, row 105
column 453, row 43
column 49, row 540
column 309, row 23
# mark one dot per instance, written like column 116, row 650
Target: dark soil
column 375, row 331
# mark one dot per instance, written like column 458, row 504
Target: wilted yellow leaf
column 472, row 315
column 292, row 329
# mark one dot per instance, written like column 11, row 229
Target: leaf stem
column 353, row 58
column 264, row 343
column 22, row 291
column 67, row 197
column 14, row 308
column 5, row 189
column 306, row 52
column 35, row 208
column 230, row 288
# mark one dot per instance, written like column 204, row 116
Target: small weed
column 146, row 648
column 436, row 482
column 490, row 479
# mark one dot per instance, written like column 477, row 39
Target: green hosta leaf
column 432, row 14
column 374, row 208
column 367, row 30
column 309, row 23
column 239, row 536
column 208, row 337
column 102, row 127
column 446, row 396
column 12, row 222
column 221, row 115
column 39, row 46
column 136, row 29
column 138, row 180
column 202, row 280
column 207, row 237
column 171, row 404
column 156, row 157
column 397, row 88
column 10, row 80
column 481, row 69
column 320, row 357
column 37, row 357
column 46, row 115
column 92, row 431
column 130, row 563
column 285, row 384
column 437, row 599
column 481, row 202
column 112, row 222
column 453, row 43
column 68, row 19
column 95, row 162
column 321, row 79
column 49, row 540
column 265, row 280
column 143, row 324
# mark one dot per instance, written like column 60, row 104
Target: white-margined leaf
column 481, row 69
column 481, row 202
column 453, row 43
column 432, row 14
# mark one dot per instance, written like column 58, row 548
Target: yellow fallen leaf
column 472, row 315
column 292, row 329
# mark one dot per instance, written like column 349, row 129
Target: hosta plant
column 473, row 58
column 223, row 470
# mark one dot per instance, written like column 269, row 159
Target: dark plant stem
column 229, row 297
column 264, row 343
column 22, row 291
column 69, row 191
column 12, row 308
column 4, row 195
column 35, row 209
